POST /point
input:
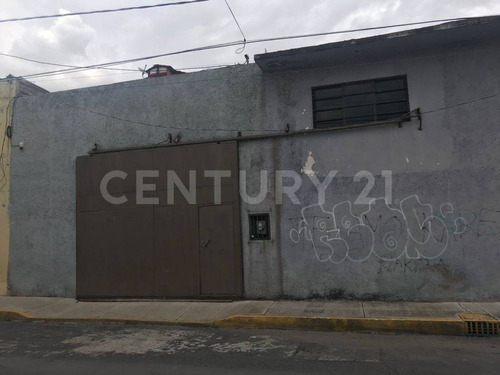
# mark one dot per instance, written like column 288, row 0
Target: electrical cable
column 153, row 83
column 162, row 83
column 83, row 77
column 141, row 7
column 88, row 67
column 133, row 71
column 235, row 20
column 234, row 43
column 156, row 125
column 56, row 64
column 357, row 30
column 460, row 104
column 241, row 49
column 8, row 112
column 235, row 130
column 204, row 129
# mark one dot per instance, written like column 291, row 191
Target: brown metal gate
column 162, row 250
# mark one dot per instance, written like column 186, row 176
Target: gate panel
column 217, row 260
column 132, row 250
column 176, row 252
column 115, row 253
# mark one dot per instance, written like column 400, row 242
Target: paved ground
column 91, row 348
column 48, row 307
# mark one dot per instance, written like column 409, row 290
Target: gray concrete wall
column 58, row 127
column 449, row 172
column 451, row 165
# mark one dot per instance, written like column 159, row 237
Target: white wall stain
column 308, row 167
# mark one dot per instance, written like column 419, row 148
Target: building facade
column 400, row 130
column 10, row 90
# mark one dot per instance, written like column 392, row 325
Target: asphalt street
column 90, row 348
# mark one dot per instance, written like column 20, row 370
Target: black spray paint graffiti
column 409, row 265
column 413, row 230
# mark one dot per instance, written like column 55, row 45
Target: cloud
column 66, row 40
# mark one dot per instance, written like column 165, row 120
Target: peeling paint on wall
column 308, row 166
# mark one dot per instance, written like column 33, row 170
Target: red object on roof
column 162, row 70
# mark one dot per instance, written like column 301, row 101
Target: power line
column 8, row 124
column 56, row 64
column 96, row 66
column 235, row 20
column 235, row 43
column 359, row 30
column 101, row 11
column 155, row 83
column 159, row 126
column 84, row 77
column 131, row 71
column 212, row 129
column 252, row 130
column 240, row 50
column 461, row 104
column 207, row 66
column 115, row 69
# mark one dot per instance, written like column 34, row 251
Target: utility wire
column 252, row 130
column 207, row 66
column 235, row 43
column 143, row 83
column 205, row 129
column 239, row 50
column 103, row 75
column 234, row 130
column 95, row 66
column 360, row 29
column 56, row 64
column 8, row 124
column 157, row 125
column 101, row 11
column 131, row 71
column 84, row 77
column 460, row 104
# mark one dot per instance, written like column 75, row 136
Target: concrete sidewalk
column 419, row 317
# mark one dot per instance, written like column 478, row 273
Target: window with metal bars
column 360, row 102
column 259, row 227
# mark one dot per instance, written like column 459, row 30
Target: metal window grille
column 360, row 102
column 259, row 227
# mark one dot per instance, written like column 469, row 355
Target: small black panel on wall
column 259, row 227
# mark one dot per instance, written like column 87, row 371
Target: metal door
column 217, row 273
column 114, row 245
column 141, row 250
column 176, row 269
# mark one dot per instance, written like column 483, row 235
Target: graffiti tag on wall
column 412, row 230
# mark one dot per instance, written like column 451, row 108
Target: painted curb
column 449, row 326
column 8, row 315
column 445, row 326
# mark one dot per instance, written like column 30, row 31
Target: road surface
column 86, row 348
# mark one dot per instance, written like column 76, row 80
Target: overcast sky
column 92, row 39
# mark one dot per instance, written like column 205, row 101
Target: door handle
column 205, row 244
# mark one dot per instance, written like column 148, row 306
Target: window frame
column 346, row 120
